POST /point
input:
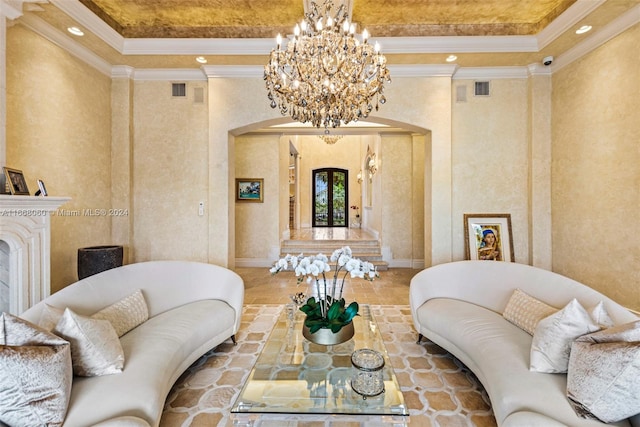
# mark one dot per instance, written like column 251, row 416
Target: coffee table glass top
column 294, row 376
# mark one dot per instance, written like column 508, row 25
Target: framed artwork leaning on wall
column 488, row 237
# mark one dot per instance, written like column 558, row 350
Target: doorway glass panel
column 330, row 195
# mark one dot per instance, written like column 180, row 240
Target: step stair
column 365, row 249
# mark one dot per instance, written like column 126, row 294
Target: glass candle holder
column 367, row 379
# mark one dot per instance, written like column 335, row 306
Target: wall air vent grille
column 481, row 89
column 179, row 89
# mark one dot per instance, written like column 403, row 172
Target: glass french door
column 330, row 195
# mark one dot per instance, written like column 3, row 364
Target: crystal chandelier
column 326, row 74
column 330, row 139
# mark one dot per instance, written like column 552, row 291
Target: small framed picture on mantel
column 16, row 182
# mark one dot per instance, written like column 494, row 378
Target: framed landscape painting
column 250, row 190
column 488, row 237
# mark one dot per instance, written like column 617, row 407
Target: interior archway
column 398, row 146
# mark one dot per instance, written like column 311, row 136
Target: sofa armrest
column 123, row 422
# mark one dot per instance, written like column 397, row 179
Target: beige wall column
column 7, row 12
column 540, row 168
column 441, row 175
column 122, row 160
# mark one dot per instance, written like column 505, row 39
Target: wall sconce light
column 372, row 166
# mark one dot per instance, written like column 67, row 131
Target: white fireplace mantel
column 25, row 225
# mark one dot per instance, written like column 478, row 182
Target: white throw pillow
column 35, row 374
column 554, row 334
column 604, row 371
column 95, row 347
column 525, row 311
column 600, row 315
column 50, row 317
column 125, row 314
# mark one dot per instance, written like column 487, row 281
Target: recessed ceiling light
column 75, row 31
column 201, row 59
column 583, row 29
column 451, row 58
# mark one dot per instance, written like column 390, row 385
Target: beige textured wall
column 257, row 224
column 58, row 130
column 490, row 159
column 595, row 169
column 395, row 174
column 170, row 173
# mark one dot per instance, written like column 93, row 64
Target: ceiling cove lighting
column 326, row 74
column 75, row 31
column 451, row 58
column 201, row 59
column 584, row 29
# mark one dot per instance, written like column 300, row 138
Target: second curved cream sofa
column 459, row 306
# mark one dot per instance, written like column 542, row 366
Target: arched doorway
column 330, row 196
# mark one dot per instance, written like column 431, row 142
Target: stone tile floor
column 438, row 389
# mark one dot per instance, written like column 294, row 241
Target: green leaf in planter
column 335, row 310
column 351, row 311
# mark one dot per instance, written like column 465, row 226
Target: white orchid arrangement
column 330, row 310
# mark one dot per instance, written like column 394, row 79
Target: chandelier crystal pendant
column 326, row 74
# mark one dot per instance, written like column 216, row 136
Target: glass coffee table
column 294, row 379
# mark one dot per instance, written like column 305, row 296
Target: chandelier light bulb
column 335, row 76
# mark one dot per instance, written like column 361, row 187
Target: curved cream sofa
column 459, row 306
column 193, row 307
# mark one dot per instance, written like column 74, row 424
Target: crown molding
column 10, row 10
column 538, row 70
column 122, row 72
column 91, row 22
column 491, row 73
column 233, row 71
column 614, row 28
column 422, row 70
column 198, row 46
column 58, row 38
column 175, row 74
column 457, row 44
column 566, row 20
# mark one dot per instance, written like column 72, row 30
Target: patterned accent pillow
column 554, row 334
column 525, row 311
column 604, row 367
column 125, row 314
column 95, row 347
column 35, row 374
